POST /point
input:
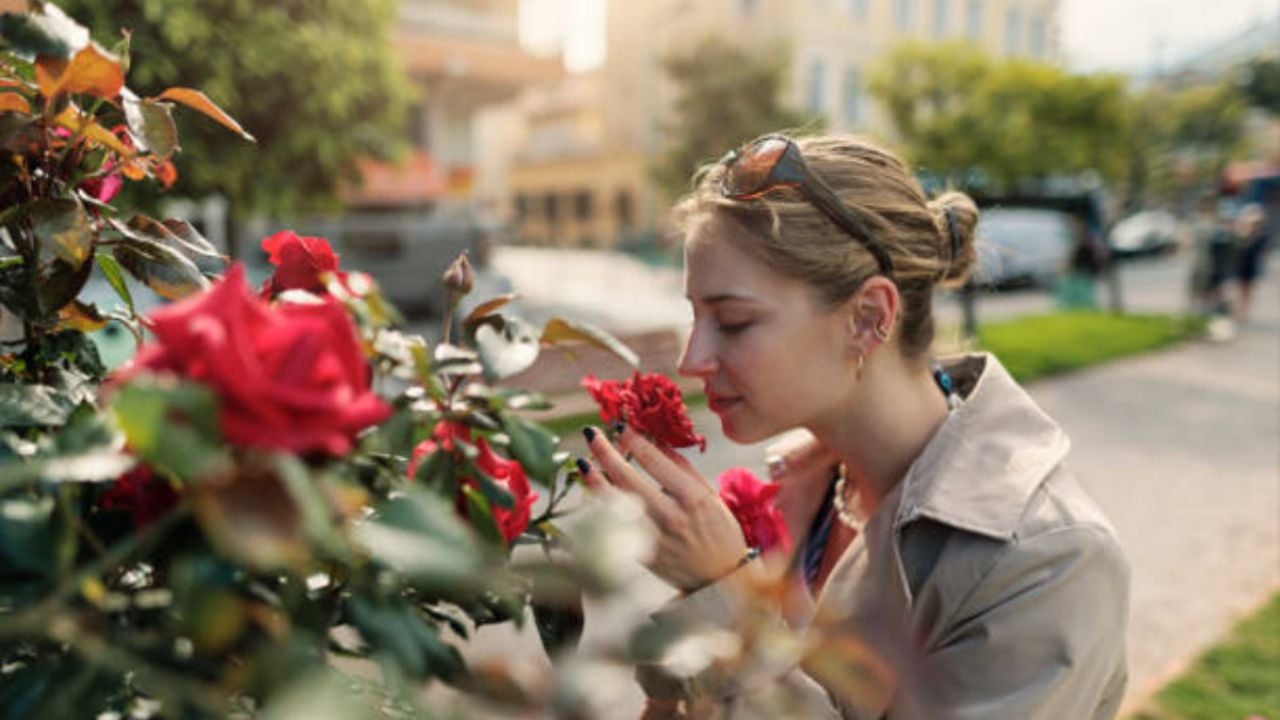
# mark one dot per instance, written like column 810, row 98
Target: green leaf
column 559, row 331
column 150, row 123
column 58, row 283
column 317, row 514
column 480, row 515
column 95, row 465
column 115, row 278
column 320, row 695
column 32, row 406
column 171, row 426
column 534, row 447
column 509, row 351
column 436, row 472
column 62, row 227
column 419, row 535
column 27, row 534
column 49, row 32
column 397, row 631
column 161, row 268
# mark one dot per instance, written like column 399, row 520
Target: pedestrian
column 1251, row 244
column 936, row 520
column 1212, row 250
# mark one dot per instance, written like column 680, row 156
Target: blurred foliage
column 316, row 81
column 962, row 115
column 1262, row 84
column 726, row 95
column 1183, row 137
column 1043, row 345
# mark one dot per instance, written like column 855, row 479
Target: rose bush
column 290, row 376
column 505, row 473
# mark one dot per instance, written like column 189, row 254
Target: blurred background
column 1107, row 141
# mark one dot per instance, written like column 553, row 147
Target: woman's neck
column 880, row 431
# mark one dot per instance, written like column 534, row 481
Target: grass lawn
column 1238, row 679
column 1043, row 345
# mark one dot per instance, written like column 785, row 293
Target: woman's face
column 769, row 356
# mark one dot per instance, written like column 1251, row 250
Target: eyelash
column 734, row 328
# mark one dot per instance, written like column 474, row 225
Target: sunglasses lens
column 750, row 170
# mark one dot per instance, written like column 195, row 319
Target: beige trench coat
column 988, row 583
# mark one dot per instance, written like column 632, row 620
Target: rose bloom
column 290, row 377
column 507, row 474
column 146, row 496
column 300, row 263
column 750, row 499
column 650, row 403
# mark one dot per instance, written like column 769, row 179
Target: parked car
column 1149, row 232
column 1024, row 245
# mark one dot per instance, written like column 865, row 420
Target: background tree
column 1262, row 84
column 965, row 116
column 725, row 96
column 316, row 82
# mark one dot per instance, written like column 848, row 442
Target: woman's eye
column 734, row 328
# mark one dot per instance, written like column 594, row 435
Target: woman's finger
column 679, row 479
column 621, row 475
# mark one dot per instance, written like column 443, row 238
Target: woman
column 950, row 538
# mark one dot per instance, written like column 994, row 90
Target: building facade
column 834, row 46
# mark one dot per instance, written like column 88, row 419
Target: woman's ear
column 872, row 313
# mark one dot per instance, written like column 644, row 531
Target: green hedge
column 1038, row 346
column 1237, row 679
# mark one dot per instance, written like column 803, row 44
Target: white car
column 1024, row 245
column 1145, row 233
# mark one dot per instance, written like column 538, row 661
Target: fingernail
column 618, row 427
column 583, row 466
column 589, row 433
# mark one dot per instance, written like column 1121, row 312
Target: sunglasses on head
column 774, row 162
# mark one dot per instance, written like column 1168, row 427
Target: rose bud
column 459, row 278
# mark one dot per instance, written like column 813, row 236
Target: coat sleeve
column 1041, row 635
column 761, row 688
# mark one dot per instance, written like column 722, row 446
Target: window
column 852, row 95
column 622, row 208
column 858, row 9
column 551, row 207
column 1012, row 31
column 973, row 20
column 940, row 18
column 905, row 19
column 817, row 79
column 1037, row 48
column 582, row 205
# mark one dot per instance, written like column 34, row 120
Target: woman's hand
column 699, row 540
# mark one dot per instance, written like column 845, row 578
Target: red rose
column 751, row 502
column 608, row 394
column 290, row 377
column 139, row 491
column 507, row 474
column 300, row 263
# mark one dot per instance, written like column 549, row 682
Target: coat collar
column 985, row 461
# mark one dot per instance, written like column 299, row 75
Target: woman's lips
column 720, row 403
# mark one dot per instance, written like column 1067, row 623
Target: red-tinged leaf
column 487, row 307
column 91, row 71
column 71, row 119
column 165, row 173
column 165, row 270
column 560, row 330
column 47, row 32
column 81, row 316
column 197, row 100
column 13, row 102
column 63, row 229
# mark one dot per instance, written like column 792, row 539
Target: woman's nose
column 698, row 358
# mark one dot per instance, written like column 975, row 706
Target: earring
column 862, row 359
column 882, row 333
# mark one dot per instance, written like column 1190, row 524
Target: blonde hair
column 930, row 242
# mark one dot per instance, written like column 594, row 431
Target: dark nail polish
column 583, row 466
column 618, row 427
column 589, row 433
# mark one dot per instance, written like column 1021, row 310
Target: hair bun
column 956, row 217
